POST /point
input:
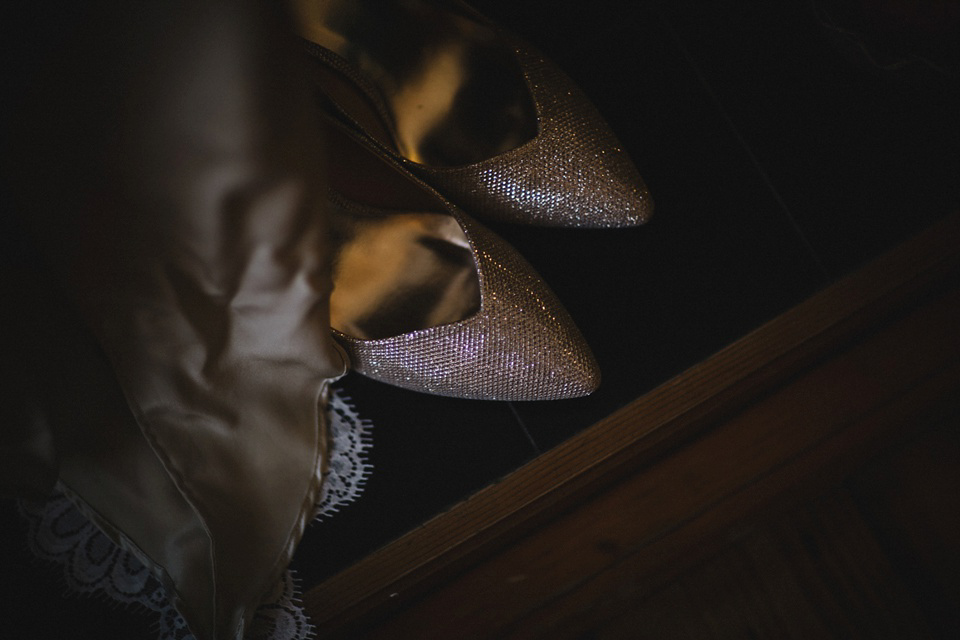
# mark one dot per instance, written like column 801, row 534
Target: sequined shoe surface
column 427, row 299
column 475, row 112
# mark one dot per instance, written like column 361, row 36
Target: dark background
column 782, row 152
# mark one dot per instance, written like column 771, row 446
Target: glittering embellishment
column 521, row 344
column 574, row 173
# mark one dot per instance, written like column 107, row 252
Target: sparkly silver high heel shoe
column 473, row 111
column 425, row 298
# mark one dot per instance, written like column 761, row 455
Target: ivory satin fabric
column 170, row 171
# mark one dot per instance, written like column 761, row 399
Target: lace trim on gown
column 93, row 564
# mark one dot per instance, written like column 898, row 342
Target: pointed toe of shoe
column 573, row 173
column 563, row 376
column 483, row 361
column 520, row 345
column 551, row 161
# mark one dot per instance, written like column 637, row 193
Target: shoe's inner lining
column 399, row 272
column 400, row 263
column 451, row 93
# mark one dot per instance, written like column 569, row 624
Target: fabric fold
column 172, row 177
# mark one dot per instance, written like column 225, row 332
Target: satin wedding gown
column 169, row 170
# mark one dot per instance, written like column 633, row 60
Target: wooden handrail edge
column 729, row 378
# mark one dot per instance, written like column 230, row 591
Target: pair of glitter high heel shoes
column 430, row 107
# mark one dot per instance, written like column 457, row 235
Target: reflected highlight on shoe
column 473, row 111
